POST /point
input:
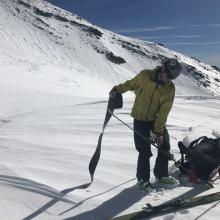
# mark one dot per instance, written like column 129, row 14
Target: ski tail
column 150, row 211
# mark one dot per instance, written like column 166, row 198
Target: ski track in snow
column 45, row 156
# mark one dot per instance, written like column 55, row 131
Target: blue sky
column 191, row 27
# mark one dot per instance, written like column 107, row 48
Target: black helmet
column 172, row 68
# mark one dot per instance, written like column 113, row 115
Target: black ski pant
column 144, row 149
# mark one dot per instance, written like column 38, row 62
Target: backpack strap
column 217, row 146
column 215, row 174
column 197, row 141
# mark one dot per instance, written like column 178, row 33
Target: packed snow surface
column 45, row 156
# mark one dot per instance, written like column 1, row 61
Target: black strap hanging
column 115, row 102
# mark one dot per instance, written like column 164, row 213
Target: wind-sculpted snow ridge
column 38, row 37
column 32, row 186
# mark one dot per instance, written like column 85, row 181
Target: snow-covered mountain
column 43, row 45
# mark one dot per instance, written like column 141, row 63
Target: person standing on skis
column 154, row 91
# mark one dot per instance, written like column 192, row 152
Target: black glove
column 157, row 138
column 113, row 92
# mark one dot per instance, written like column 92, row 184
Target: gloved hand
column 157, row 138
column 113, row 92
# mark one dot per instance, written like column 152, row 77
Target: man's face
column 164, row 77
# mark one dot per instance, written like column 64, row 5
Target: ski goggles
column 169, row 75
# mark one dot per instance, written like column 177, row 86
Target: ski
column 150, row 211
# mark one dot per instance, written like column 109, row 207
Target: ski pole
column 168, row 154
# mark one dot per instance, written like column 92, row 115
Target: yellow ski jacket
column 153, row 101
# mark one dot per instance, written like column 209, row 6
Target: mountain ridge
column 44, row 37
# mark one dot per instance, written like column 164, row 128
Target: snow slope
column 55, row 73
column 45, row 154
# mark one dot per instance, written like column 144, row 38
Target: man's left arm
column 163, row 113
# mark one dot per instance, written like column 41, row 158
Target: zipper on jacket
column 151, row 100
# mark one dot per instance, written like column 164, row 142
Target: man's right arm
column 129, row 85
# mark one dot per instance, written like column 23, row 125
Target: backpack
column 201, row 158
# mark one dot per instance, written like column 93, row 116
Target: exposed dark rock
column 39, row 27
column 78, row 18
column 91, row 30
column 18, row 10
column 206, row 83
column 94, row 31
column 133, row 48
column 59, row 43
column 42, row 13
column 217, row 80
column 190, row 68
column 216, row 68
column 198, row 75
column 98, row 50
column 155, row 57
column 201, row 78
column 24, row 4
column 45, row 30
column 195, row 59
column 60, row 18
column 42, row 22
column 74, row 23
column 160, row 44
column 115, row 59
